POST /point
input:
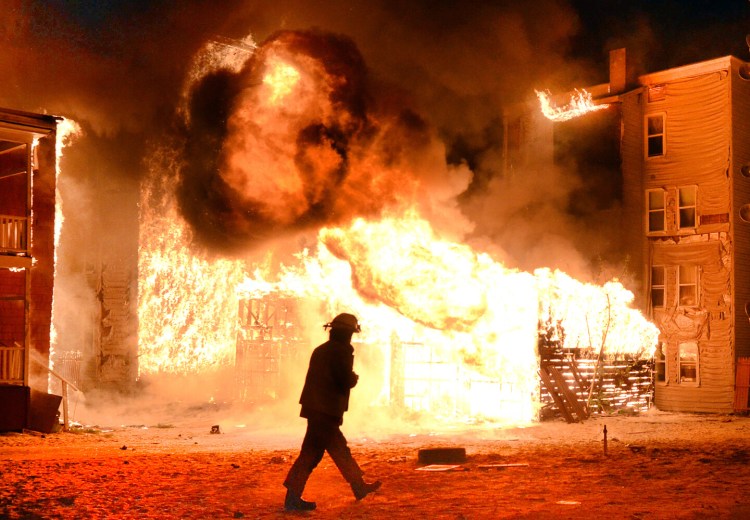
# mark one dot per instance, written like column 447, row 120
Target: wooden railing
column 65, row 385
column 13, row 234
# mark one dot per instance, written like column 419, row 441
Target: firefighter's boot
column 362, row 489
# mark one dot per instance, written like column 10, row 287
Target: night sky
column 445, row 54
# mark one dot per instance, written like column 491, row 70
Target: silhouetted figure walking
column 325, row 398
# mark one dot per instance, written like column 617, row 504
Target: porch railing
column 12, row 364
column 13, row 234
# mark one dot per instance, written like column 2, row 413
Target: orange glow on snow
column 580, row 103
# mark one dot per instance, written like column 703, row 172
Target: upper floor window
column 655, row 135
column 687, row 279
column 656, row 210
column 657, row 287
column 687, row 203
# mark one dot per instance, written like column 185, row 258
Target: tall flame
column 477, row 318
column 580, row 103
column 67, row 131
column 435, row 303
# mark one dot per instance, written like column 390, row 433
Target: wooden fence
column 614, row 385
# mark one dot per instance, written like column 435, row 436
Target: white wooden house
column 685, row 150
column 682, row 156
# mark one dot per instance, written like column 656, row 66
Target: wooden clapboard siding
column 683, row 398
column 696, row 101
column 741, row 195
column 697, row 143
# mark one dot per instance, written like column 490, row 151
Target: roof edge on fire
column 42, row 123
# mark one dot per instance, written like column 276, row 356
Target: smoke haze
column 405, row 109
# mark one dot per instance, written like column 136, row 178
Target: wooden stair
column 565, row 398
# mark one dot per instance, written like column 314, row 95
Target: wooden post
column 65, row 406
column 601, row 351
column 605, row 439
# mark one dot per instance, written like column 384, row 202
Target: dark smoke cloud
column 118, row 67
column 329, row 151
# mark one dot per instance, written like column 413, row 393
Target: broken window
column 655, row 135
column 657, row 286
column 687, row 278
column 656, row 210
column 687, row 204
column 688, row 357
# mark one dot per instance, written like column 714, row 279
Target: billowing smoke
column 296, row 139
column 386, row 106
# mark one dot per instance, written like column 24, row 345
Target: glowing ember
column 580, row 103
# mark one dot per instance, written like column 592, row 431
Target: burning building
column 289, row 195
column 289, row 192
column 28, row 171
column 675, row 141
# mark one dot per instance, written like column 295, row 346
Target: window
column 687, row 201
column 657, row 286
column 687, row 278
column 656, row 211
column 655, row 135
column 688, row 357
column 660, row 364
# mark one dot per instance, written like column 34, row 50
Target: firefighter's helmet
column 344, row 321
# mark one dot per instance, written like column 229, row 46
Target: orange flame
column 475, row 320
column 580, row 103
column 281, row 80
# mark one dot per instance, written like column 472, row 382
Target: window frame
column 694, row 283
column 681, row 362
column 660, row 364
column 648, row 136
column 662, row 210
column 680, row 207
column 662, row 287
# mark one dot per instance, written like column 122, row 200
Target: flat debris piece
column 441, row 467
column 503, row 466
column 442, row 455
